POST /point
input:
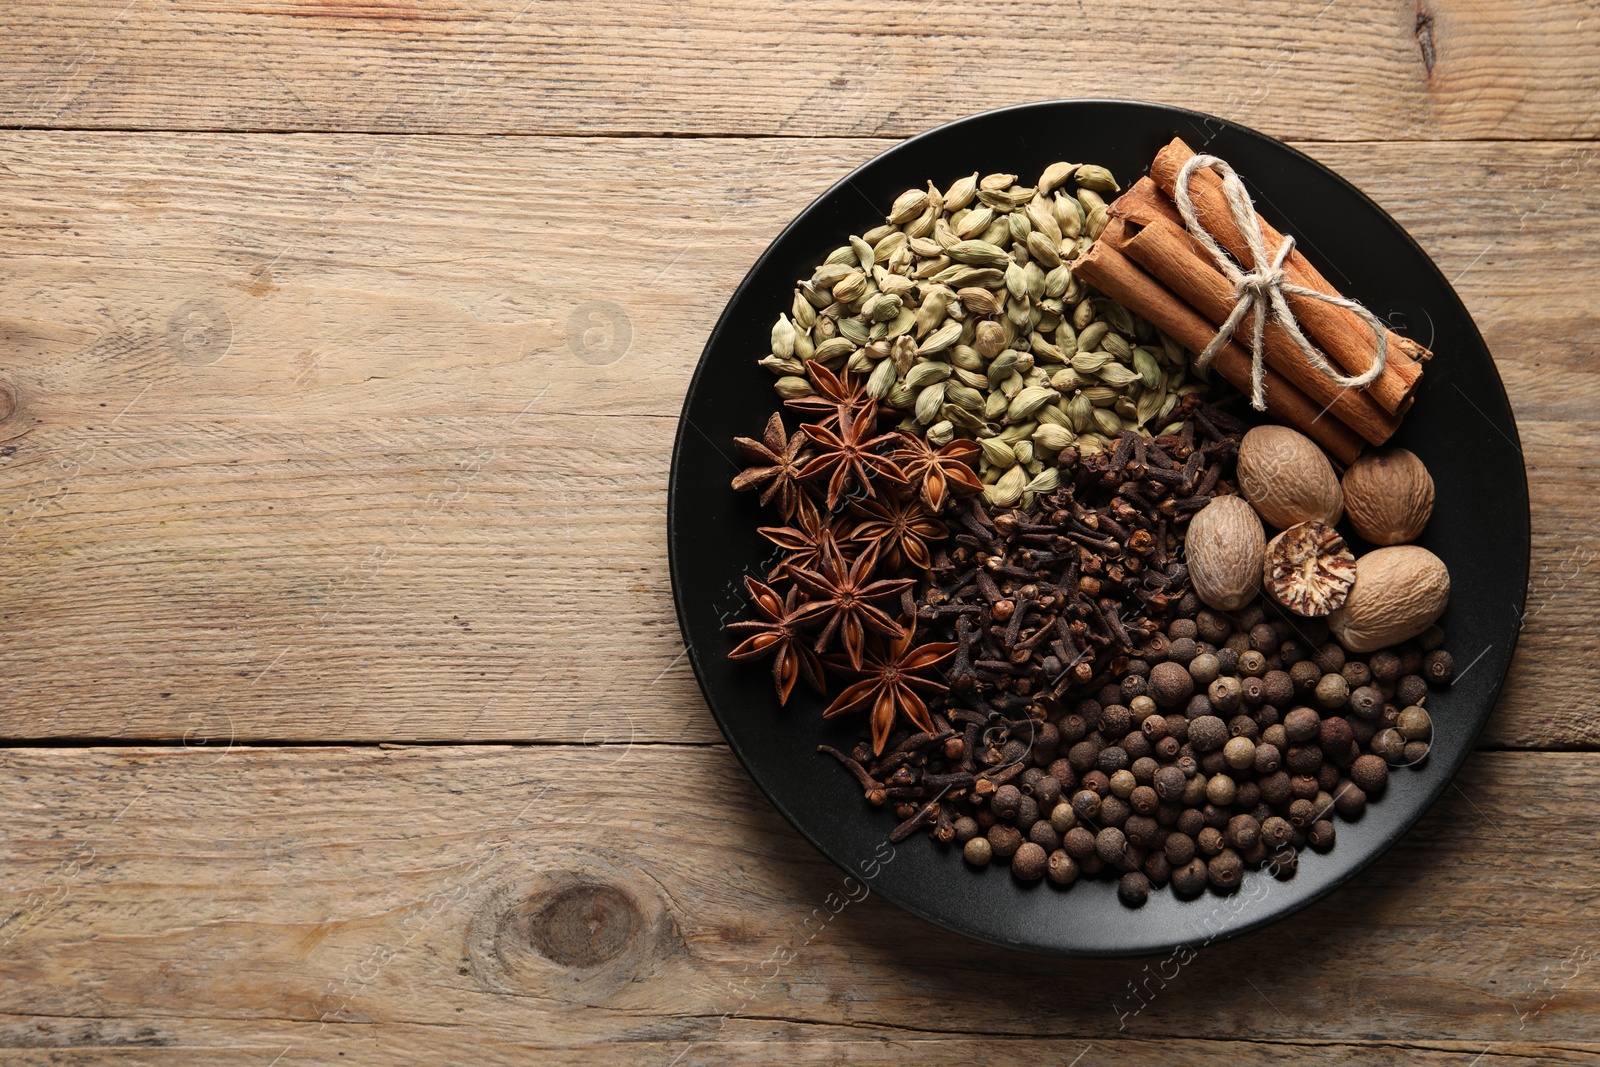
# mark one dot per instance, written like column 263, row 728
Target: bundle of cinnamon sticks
column 1146, row 260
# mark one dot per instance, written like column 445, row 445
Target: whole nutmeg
column 1388, row 495
column 1287, row 478
column 1226, row 549
column 1398, row 592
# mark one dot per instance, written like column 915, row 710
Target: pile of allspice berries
column 1292, row 679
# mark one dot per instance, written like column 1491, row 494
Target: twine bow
column 1264, row 285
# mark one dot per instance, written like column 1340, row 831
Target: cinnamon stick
column 1114, row 274
column 1166, row 251
column 1340, row 333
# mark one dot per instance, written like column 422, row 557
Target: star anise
column 783, row 459
column 777, row 634
column 891, row 685
column 901, row 527
column 849, row 456
column 810, row 541
column 938, row 473
column 835, row 395
column 843, row 595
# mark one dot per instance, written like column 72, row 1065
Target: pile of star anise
column 860, row 510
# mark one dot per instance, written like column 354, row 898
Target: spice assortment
column 1094, row 619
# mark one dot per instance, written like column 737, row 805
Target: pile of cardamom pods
column 962, row 311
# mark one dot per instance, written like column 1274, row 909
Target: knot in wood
column 584, row 924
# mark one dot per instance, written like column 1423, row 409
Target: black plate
column 1462, row 427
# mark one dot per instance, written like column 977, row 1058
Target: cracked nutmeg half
column 1309, row 569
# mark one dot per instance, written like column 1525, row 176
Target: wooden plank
column 513, row 903
column 1441, row 69
column 326, row 437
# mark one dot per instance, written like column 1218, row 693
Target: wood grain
column 1447, row 69
column 323, row 437
column 505, row 904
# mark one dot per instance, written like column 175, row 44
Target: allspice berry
column 1414, row 724
column 1190, row 878
column 1006, row 801
column 1320, row 836
column 1170, row 684
column 1370, row 773
column 1061, row 868
column 1133, row 889
column 1225, row 869
column 1302, row 724
column 1438, row 667
column 1028, row 863
column 1332, row 691
column 1208, row 733
column 978, row 851
column 1170, row 783
column 1225, row 694
column 1240, row 752
column 1366, row 702
column 1004, row 839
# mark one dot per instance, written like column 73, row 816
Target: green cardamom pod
column 995, row 406
column 990, row 339
column 961, row 193
column 1003, row 364
column 884, row 250
column 1024, row 450
column 1052, row 437
column 1033, row 274
column 1019, row 431
column 1089, row 176
column 1149, row 370
column 855, row 331
column 792, row 387
column 997, row 453
column 1090, row 362
column 1117, row 376
column 1016, row 281
column 901, row 324
column 1148, row 406
column 1117, row 345
column 1082, row 317
column 963, row 418
column 1107, row 422
column 885, row 308
column 1069, row 215
column 900, row 398
column 863, row 252
column 925, row 374
column 978, row 277
column 1044, row 350
column 1090, row 336
column 1080, row 412
column 941, row 433
column 1043, row 249
column 940, row 339
column 860, row 361
column 1017, row 222
column 969, row 378
column 834, row 348
column 783, row 337
column 1055, row 283
column 907, row 206
column 1067, row 379
column 963, row 395
column 980, row 254
column 972, row 223
column 1096, row 223
column 1046, row 481
column 1007, row 492
column 929, row 401
column 780, row 366
column 1043, row 220
column 967, row 358
column 1031, row 399
column 1102, row 396
column 881, row 380
column 1125, row 407
column 1167, row 406
column 1056, row 174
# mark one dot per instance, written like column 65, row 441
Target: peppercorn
column 1414, row 752
column 1114, row 811
column 1061, row 868
column 1243, row 725
column 1005, row 801
column 1198, row 705
column 1302, row 724
column 1027, row 864
column 1369, row 772
column 1320, row 835
column 1013, row 752
column 1004, row 839
column 1332, row 691
column 1209, row 841
column 1411, row 688
column 1213, row 763
column 1181, row 628
column 1303, row 786
column 1366, row 701
column 1083, row 755
column 1072, row 729
column 1221, row 790
column 1303, row 759
column 1112, row 760
column 1414, row 724
column 1240, row 753
column 1086, row 805
column 1276, row 735
column 985, row 819
column 1356, row 674
column 1167, row 748
column 1348, row 799
column 1227, row 660
column 1144, row 770
column 1208, row 733
column 1213, row 627
column 1252, row 663
column 1133, row 889
column 1182, row 651
column 1264, row 639
column 1115, row 720
column 1027, row 814
column 978, row 851
column 1110, row 693
column 1044, row 835
column 1302, row 812
column 1155, row 649
column 1157, row 869
column 1410, row 654
column 1362, row 730
column 1275, row 831
column 1122, row 783
column 1226, row 869
column 1078, row 842
column 1097, row 782
column 1305, row 675
column 1190, row 878
column 1225, row 694
column 1140, row 667
column 1430, row 639
column 1385, row 665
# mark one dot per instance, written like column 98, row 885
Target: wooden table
column 347, row 716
